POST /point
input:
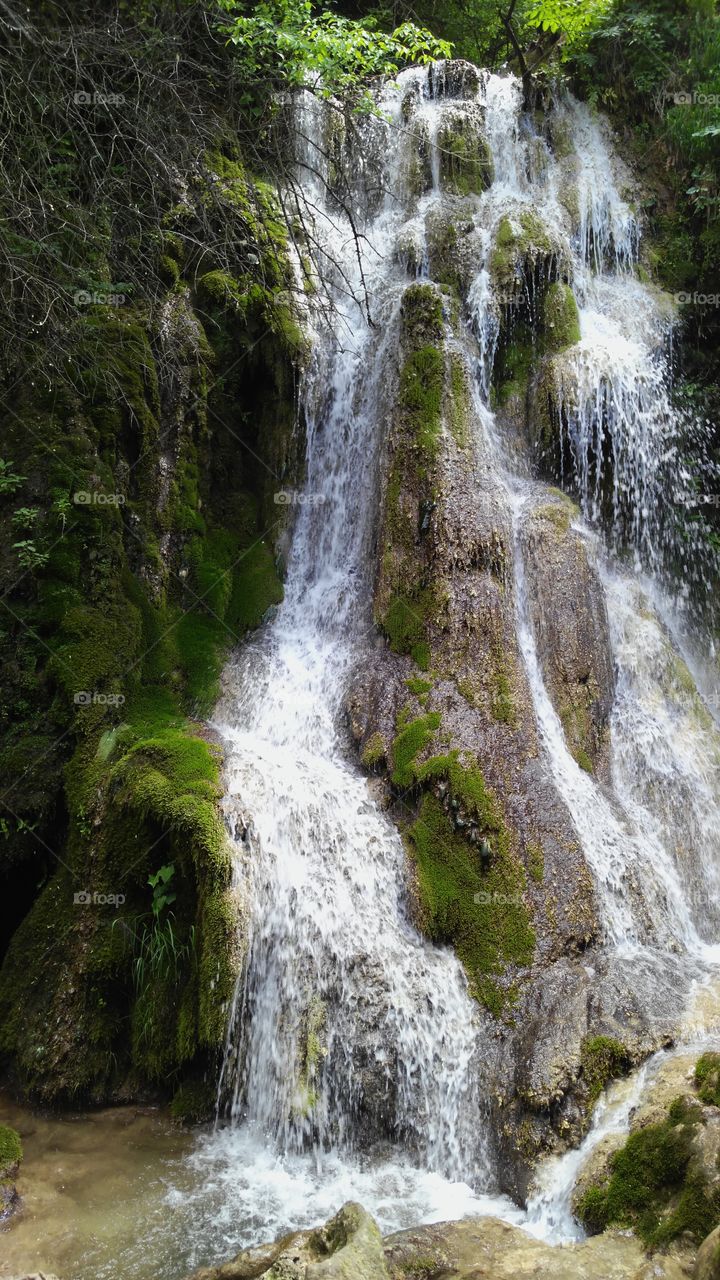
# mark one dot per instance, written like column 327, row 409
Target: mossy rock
column 657, row 1184
column 707, row 1078
column 602, row 1059
column 561, row 322
column 11, row 1152
column 194, row 1102
column 481, row 913
column 466, row 164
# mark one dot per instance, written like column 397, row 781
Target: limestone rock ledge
column 349, row 1247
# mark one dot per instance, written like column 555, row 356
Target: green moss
column 482, row 915
column 656, row 1186
column 422, row 315
column 373, row 751
column 410, row 741
column 442, row 244
column 10, row 1150
column 256, row 587
column 513, row 367
column 536, row 861
column 602, row 1059
column 559, row 514
column 707, row 1078
column 466, row 165
column 405, row 622
column 561, row 322
column 169, row 270
column 420, row 687
column 421, row 394
column 123, row 609
column 193, row 1103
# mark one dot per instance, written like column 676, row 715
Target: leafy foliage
column 283, row 43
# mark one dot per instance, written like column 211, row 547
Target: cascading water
column 347, row 1026
column 346, row 1019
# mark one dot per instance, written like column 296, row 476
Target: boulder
column 348, row 1247
column 707, row 1263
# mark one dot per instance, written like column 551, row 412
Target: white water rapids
column 349, row 1028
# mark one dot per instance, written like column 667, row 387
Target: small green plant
column 25, row 517
column 30, row 555
column 9, row 480
column 162, row 897
column 61, row 508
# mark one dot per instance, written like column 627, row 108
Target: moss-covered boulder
column 664, row 1181
column 561, row 322
column 11, row 1155
column 465, row 159
column 348, row 1247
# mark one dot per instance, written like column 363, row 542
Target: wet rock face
column 569, row 615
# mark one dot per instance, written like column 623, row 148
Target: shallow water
column 125, row 1193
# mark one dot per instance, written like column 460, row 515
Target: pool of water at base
column 125, row 1192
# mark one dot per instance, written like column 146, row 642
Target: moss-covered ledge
column 157, row 547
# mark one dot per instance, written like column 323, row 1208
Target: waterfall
column 347, row 1021
column 350, row 1030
